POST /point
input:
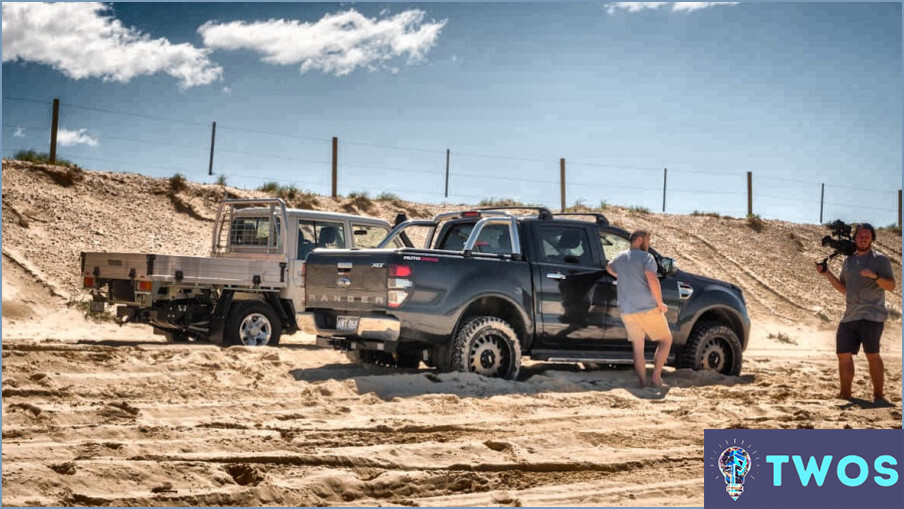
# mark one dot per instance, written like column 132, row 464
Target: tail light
column 398, row 284
column 88, row 282
column 399, row 271
column 144, row 286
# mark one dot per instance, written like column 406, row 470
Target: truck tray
column 186, row 270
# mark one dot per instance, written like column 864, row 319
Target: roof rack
column 542, row 212
column 601, row 220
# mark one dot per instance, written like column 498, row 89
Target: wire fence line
column 419, row 173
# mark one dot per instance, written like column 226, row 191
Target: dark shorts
column 851, row 334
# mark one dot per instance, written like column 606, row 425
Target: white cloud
column 68, row 138
column 337, row 44
column 20, row 133
column 227, row 90
column 84, row 40
column 675, row 6
column 633, row 6
column 693, row 6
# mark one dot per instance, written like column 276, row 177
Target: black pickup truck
column 489, row 287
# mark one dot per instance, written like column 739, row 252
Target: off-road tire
column 712, row 346
column 254, row 321
column 439, row 356
column 488, row 346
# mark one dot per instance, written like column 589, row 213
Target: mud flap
column 218, row 319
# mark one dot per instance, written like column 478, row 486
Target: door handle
column 555, row 275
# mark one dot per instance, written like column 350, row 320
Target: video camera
column 840, row 240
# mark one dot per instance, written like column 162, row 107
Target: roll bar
column 226, row 211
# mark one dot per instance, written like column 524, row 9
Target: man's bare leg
column 876, row 374
column 845, row 374
column 640, row 363
column 662, row 354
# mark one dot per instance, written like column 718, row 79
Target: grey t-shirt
column 634, row 294
column 864, row 300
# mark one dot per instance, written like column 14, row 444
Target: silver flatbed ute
column 247, row 291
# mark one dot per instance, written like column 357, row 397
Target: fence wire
column 250, row 157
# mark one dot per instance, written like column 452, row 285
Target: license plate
column 347, row 323
column 96, row 306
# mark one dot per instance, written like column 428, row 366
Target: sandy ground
column 97, row 414
column 107, row 417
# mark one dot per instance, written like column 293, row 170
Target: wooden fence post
column 665, row 177
column 447, row 173
column 749, row 193
column 54, row 125
column 213, row 138
column 822, row 195
column 335, row 164
column 562, row 181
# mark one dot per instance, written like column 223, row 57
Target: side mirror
column 668, row 266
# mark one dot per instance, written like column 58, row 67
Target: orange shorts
column 646, row 323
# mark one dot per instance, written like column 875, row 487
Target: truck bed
column 188, row 270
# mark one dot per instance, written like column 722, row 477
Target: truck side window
column 494, row 238
column 369, row 235
column 565, row 244
column 313, row 234
column 456, row 237
column 613, row 244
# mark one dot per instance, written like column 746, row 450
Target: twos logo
column 803, row 468
column 734, row 463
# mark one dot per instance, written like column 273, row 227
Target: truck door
column 614, row 241
column 570, row 314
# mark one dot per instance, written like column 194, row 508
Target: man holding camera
column 865, row 277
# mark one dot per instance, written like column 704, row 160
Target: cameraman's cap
column 865, row 226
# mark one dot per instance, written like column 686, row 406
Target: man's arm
column 655, row 289
column 836, row 283
column 885, row 283
column 610, row 271
column 885, row 279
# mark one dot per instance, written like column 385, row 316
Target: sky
column 798, row 94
